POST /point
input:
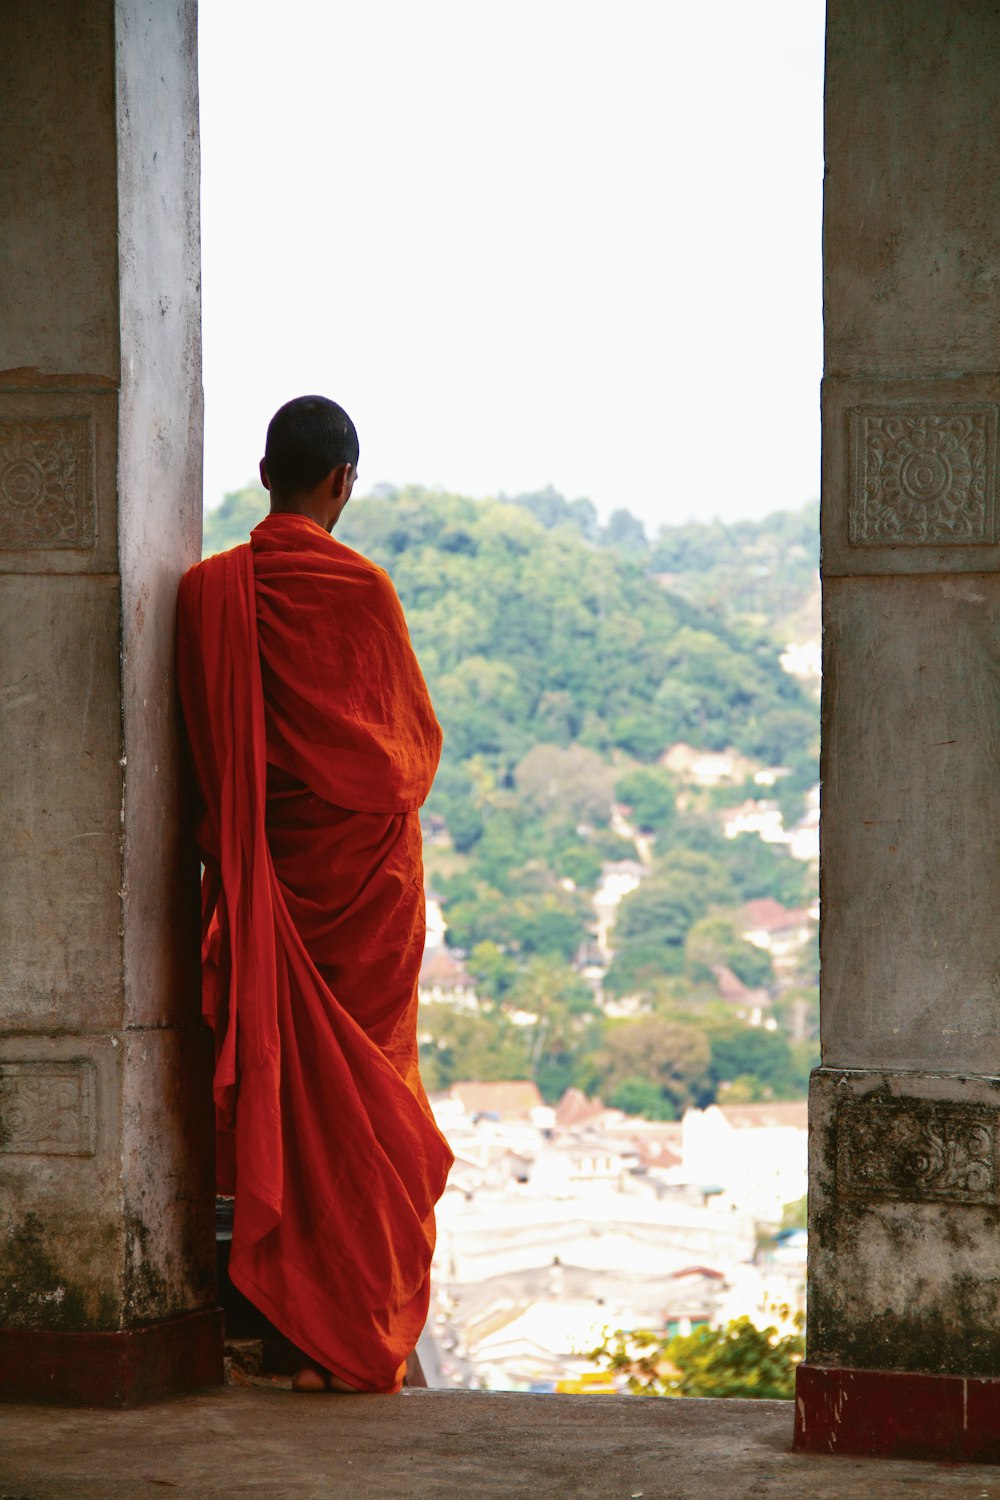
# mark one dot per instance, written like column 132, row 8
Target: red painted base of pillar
column 127, row 1368
column 897, row 1414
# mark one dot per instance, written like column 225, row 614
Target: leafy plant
column 738, row 1360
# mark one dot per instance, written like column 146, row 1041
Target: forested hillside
column 565, row 659
column 760, row 572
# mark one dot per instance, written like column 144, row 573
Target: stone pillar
column 106, row 1238
column 904, row 1276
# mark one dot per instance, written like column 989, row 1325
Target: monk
column 314, row 743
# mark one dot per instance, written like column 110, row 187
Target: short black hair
column 306, row 439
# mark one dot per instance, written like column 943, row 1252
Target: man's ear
column 341, row 480
column 263, row 475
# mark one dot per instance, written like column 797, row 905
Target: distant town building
column 783, row 932
column 560, row 1226
column 803, row 842
column 765, row 819
column 500, row 1101
column 444, row 980
column 707, row 768
column 754, row 1153
column 618, row 879
column 575, row 1109
column 762, row 818
column 436, row 924
column 803, row 660
column 751, row 1005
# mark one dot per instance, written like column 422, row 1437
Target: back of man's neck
column 312, row 512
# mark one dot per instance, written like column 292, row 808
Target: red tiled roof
column 574, row 1108
column 772, row 916
column 656, row 1154
column 731, row 987
column 439, row 968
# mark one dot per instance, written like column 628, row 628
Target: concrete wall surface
column 905, row 1114
column 912, row 207
column 105, row 1126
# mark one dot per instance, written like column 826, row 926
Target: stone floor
column 257, row 1441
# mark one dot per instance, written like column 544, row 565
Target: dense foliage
column 738, row 1360
column 562, row 668
column 530, row 635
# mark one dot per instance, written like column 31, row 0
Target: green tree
column 746, row 1052
column 654, row 920
column 738, row 1360
column 578, row 862
column 645, row 735
column 477, row 1047
column 552, row 509
column 626, row 532
column 651, row 796
column 672, row 1055
column 659, row 913
column 641, row 1096
column 565, row 1022
column 232, row 522
column 643, row 968
column 552, row 925
column 713, row 940
column 574, row 783
column 482, row 706
column 493, row 970
column 758, row 869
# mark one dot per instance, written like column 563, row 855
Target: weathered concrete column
column 905, row 1113
column 106, row 1241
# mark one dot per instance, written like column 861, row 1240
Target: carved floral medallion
column 47, row 1108
column 46, row 488
column 923, row 477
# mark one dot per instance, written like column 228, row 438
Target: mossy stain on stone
column 146, row 1290
column 35, row 1294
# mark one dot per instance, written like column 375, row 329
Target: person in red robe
column 314, row 743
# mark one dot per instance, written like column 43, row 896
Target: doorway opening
column 561, row 264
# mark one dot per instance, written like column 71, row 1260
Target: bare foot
column 310, row 1378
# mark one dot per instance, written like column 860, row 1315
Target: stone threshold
column 421, row 1445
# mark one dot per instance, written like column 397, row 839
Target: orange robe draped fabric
column 314, row 743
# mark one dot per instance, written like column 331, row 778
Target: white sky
column 522, row 242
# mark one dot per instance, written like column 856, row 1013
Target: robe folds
column 314, row 743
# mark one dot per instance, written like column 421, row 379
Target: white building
column 762, row 818
column 755, row 1153
column 783, row 932
column 619, row 878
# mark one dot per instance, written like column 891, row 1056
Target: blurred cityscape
column 562, row 1225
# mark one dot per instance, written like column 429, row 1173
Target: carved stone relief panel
column 917, row 1150
column 910, row 475
column 48, row 1108
column 923, row 476
column 58, row 480
column 47, row 484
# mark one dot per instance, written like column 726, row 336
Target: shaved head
column 306, row 439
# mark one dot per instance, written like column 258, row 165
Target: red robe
column 314, row 743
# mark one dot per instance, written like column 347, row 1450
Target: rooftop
column 770, row 916
column 508, row 1101
column 783, row 1112
column 442, row 1445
